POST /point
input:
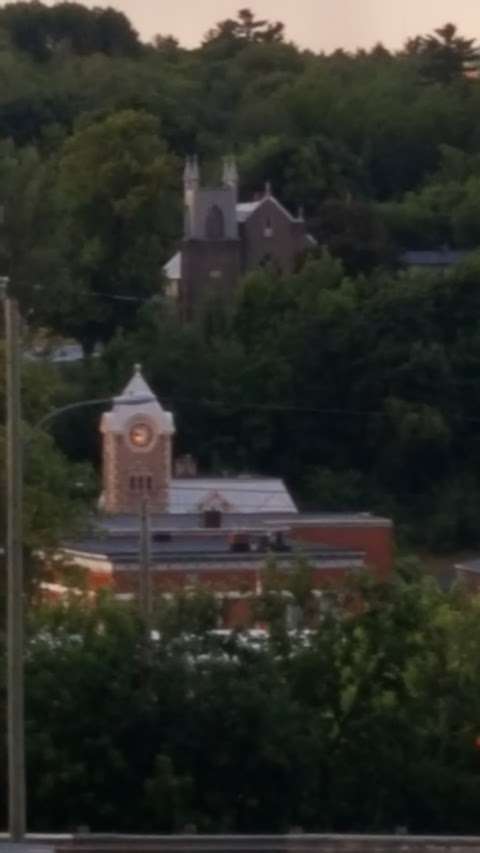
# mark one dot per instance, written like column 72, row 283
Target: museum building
column 213, row 532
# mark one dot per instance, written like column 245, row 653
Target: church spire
column 230, row 172
column 191, row 173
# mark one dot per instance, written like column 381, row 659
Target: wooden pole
column 15, row 603
column 145, row 574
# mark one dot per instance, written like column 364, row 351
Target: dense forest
column 368, row 722
column 354, row 378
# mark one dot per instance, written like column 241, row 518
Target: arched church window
column 215, row 225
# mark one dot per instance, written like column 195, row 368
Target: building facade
column 224, row 239
column 211, row 532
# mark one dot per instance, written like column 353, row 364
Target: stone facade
column 224, row 239
column 209, row 269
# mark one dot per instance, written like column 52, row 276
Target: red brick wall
column 237, row 613
column 286, row 242
column 165, row 580
column 120, row 462
column 376, row 541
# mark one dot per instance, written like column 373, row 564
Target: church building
column 213, row 532
column 224, row 239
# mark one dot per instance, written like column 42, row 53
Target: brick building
column 214, row 532
column 224, row 239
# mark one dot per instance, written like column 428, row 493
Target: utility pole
column 145, row 574
column 15, row 603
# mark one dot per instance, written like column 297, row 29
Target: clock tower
column 137, row 451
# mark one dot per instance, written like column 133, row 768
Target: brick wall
column 121, row 462
column 374, row 538
column 270, row 231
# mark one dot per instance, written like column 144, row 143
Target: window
column 138, row 484
column 212, row 518
column 215, row 225
column 268, row 229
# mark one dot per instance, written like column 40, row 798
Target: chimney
column 185, row 467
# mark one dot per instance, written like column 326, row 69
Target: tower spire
column 191, row 173
column 230, row 172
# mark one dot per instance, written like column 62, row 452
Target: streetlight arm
column 101, row 401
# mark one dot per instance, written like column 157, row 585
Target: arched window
column 215, row 225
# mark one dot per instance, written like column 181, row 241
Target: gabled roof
column 433, row 257
column 173, row 267
column 232, row 494
column 245, row 209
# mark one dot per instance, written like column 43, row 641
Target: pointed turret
column 191, row 173
column 230, row 172
column 191, row 184
column 148, row 405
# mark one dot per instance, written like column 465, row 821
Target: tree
column 57, row 493
column 246, row 28
column 445, row 56
column 41, row 30
column 198, row 735
column 118, row 191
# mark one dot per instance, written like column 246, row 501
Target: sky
column 317, row 24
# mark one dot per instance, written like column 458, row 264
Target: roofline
column 278, row 203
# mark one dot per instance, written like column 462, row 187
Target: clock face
column 141, row 435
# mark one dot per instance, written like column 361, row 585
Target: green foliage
column 245, row 29
column 371, row 381
column 41, row 31
column 371, row 373
column 118, row 197
column 226, row 732
column 445, row 56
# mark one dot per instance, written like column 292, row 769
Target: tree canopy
column 228, row 733
column 372, row 366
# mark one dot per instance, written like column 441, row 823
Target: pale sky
column 318, row 24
